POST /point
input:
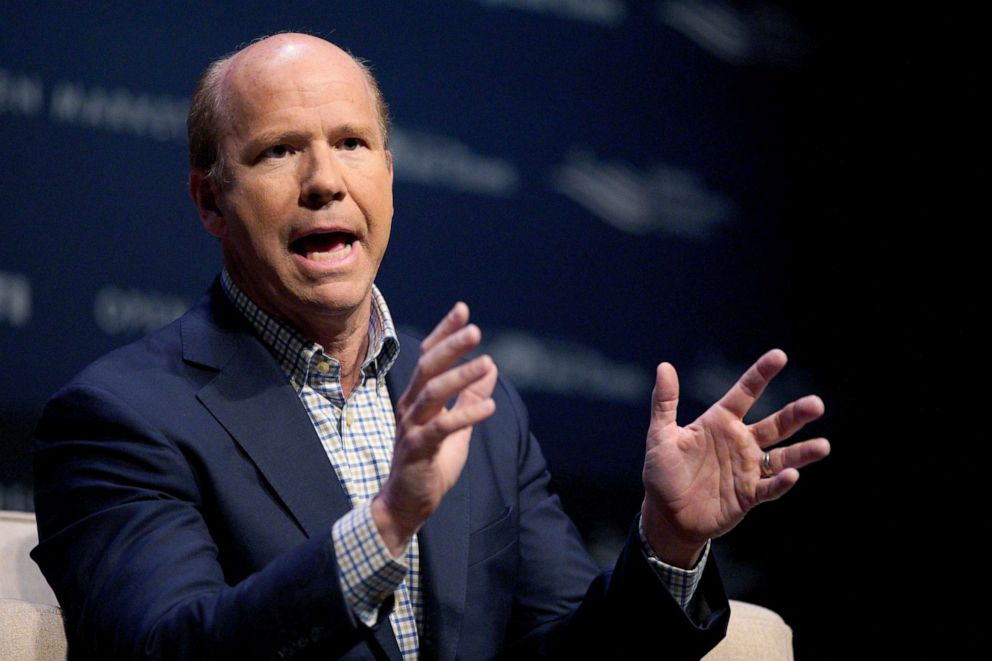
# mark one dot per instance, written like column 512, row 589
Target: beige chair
column 753, row 633
column 30, row 619
column 31, row 622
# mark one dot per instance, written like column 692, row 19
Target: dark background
column 608, row 184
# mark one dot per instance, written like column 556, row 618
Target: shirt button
column 349, row 418
column 323, row 367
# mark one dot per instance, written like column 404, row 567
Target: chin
column 335, row 300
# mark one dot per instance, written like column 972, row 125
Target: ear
column 389, row 163
column 204, row 193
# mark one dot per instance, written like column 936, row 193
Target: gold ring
column 766, row 465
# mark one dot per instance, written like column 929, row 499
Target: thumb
column 665, row 397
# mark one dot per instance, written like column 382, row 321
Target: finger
column 665, row 397
column 442, row 356
column 430, row 437
column 787, row 421
column 484, row 387
column 443, row 387
column 450, row 421
column 776, row 487
column 743, row 394
column 456, row 318
column 798, row 455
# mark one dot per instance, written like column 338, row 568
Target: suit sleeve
column 130, row 557
column 566, row 608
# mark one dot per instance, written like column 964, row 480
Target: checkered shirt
column 681, row 583
column 357, row 434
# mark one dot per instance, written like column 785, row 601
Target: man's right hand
column 432, row 440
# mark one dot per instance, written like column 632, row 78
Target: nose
column 321, row 180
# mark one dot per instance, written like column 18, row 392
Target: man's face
column 305, row 211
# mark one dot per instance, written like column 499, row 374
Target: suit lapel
column 252, row 399
column 443, row 541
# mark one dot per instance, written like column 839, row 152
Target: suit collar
column 296, row 353
column 212, row 331
column 251, row 398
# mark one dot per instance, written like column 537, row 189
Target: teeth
column 338, row 253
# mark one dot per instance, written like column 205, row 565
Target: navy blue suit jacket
column 185, row 507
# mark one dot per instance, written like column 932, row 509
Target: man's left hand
column 700, row 480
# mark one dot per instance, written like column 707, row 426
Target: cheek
column 271, row 192
column 380, row 221
column 374, row 193
column 261, row 204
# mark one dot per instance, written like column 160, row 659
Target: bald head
column 225, row 87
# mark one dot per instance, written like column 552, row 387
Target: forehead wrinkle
column 300, row 120
column 290, row 65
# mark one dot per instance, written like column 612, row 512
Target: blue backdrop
column 602, row 181
column 608, row 183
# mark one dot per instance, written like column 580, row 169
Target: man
column 272, row 476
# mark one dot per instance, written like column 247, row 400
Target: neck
column 343, row 335
column 348, row 345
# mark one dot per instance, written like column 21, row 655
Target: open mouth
column 324, row 245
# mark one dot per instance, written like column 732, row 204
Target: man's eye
column 351, row 144
column 277, row 151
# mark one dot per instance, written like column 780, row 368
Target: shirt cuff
column 680, row 582
column 368, row 573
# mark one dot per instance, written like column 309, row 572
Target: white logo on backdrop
column 15, row 299
column 437, row 160
column 118, row 109
column 761, row 34
column 559, row 367
column 715, row 375
column 610, row 13
column 566, row 368
column 20, row 94
column 663, row 199
column 118, row 311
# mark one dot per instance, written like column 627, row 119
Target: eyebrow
column 266, row 139
column 369, row 133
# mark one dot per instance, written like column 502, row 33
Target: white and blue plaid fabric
column 357, row 434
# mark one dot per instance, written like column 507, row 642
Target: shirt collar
column 299, row 357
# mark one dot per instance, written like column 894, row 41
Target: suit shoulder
column 158, row 362
column 153, row 352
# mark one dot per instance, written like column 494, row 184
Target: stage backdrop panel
column 605, row 182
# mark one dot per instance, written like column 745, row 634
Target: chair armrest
column 31, row 631
column 754, row 632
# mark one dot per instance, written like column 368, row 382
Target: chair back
column 20, row 577
column 30, row 618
